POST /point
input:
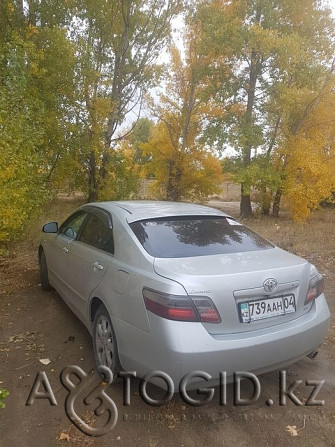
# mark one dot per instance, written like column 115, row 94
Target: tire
column 104, row 341
column 44, row 276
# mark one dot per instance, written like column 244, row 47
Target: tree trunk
column 172, row 187
column 245, row 204
column 266, row 199
column 276, row 203
column 92, row 193
column 266, row 210
column 92, row 179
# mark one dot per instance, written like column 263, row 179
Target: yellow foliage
column 182, row 166
column 31, row 30
column 310, row 157
column 192, row 173
column 121, row 180
column 310, row 176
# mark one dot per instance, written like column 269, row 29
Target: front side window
column 97, row 235
column 185, row 236
column 72, row 225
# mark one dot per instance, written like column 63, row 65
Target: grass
column 313, row 240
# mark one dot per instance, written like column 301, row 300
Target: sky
column 332, row 5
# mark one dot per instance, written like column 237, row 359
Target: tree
column 182, row 166
column 70, row 71
column 34, row 98
column 306, row 159
column 122, row 172
column 259, row 48
column 117, row 44
column 140, row 133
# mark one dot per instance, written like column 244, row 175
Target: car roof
column 133, row 210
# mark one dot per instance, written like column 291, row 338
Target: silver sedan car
column 178, row 287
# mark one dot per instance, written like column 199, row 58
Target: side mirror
column 51, row 227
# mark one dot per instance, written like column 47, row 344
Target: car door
column 59, row 258
column 90, row 256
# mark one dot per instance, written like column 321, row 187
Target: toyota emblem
column 270, row 285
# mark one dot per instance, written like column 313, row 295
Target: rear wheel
column 104, row 341
column 44, row 276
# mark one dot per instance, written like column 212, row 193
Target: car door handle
column 97, row 265
column 65, row 250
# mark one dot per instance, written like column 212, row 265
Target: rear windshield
column 179, row 237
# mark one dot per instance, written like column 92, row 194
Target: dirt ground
column 36, row 325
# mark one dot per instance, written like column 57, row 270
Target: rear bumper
column 178, row 348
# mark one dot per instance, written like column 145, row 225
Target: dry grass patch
column 313, row 240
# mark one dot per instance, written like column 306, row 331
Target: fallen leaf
column 171, row 421
column 292, row 429
column 64, row 437
column 45, row 361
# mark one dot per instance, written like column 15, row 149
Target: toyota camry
column 179, row 287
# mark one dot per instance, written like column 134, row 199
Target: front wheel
column 104, row 341
column 44, row 276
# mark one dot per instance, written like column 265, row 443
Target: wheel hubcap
column 104, row 342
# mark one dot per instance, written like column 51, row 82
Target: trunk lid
column 232, row 279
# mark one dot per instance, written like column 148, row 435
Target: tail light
column 181, row 307
column 316, row 286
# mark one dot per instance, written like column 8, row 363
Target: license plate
column 267, row 308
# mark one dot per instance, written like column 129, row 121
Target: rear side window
column 97, row 235
column 179, row 237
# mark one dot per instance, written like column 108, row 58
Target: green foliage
column 36, row 93
column 141, row 131
column 117, row 44
column 22, row 190
column 259, row 176
column 256, row 75
column 3, row 394
column 69, row 73
column 139, row 135
column 180, row 163
column 122, row 178
column 269, row 63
